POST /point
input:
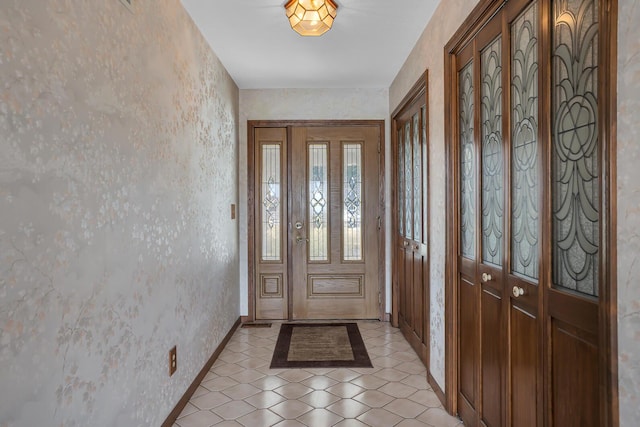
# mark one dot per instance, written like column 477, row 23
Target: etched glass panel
column 352, row 207
column 492, row 160
column 575, row 188
column 467, row 165
column 408, row 182
column 270, row 201
column 525, row 220
column 318, row 203
column 401, row 202
column 425, row 168
column 417, row 179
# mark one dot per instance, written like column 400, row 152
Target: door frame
column 251, row 194
column 607, row 302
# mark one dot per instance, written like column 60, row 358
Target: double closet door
column 317, row 222
column 410, row 252
column 530, row 203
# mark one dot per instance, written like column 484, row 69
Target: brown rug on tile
column 320, row 345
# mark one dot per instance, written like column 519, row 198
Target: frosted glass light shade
column 311, row 17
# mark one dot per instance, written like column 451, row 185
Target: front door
column 335, row 218
column 317, row 222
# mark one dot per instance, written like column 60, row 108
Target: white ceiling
column 366, row 47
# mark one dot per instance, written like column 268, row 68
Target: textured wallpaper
column 118, row 163
column 629, row 212
column 428, row 53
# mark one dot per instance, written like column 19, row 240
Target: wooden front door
column 318, row 226
column 410, row 252
column 530, row 164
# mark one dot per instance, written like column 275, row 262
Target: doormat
column 320, row 345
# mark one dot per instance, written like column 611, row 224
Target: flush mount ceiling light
column 311, row 17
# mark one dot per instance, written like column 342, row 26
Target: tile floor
column 241, row 390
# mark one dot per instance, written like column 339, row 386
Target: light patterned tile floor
column 241, row 390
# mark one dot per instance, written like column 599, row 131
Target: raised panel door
column 334, row 222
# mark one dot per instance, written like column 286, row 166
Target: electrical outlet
column 173, row 361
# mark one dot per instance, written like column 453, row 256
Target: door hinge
column 379, row 298
column 379, row 223
column 379, row 143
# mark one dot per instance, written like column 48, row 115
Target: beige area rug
column 316, row 345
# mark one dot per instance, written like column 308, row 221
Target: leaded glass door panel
column 334, row 225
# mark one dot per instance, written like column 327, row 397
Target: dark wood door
column 483, row 219
column 577, row 213
column 410, row 256
column 530, row 158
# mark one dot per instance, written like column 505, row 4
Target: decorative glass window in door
column 575, row 160
column 352, row 202
column 270, row 199
column 318, row 203
column 525, row 210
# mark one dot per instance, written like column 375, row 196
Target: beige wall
column 428, row 54
column 118, row 161
column 302, row 104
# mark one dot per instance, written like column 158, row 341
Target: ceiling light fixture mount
column 311, row 17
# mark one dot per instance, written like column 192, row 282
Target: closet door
column 575, row 214
column 499, row 198
column 411, row 267
column 530, row 157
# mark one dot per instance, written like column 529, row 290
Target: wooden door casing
column 558, row 359
column 411, row 296
column 271, row 289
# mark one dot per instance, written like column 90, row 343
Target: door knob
column 300, row 239
column 486, row 277
column 517, row 291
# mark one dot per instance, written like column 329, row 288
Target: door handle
column 517, row 291
column 486, row 277
column 300, row 239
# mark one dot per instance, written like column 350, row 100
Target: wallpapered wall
column 304, row 104
column 428, row 53
column 118, row 163
column 629, row 211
